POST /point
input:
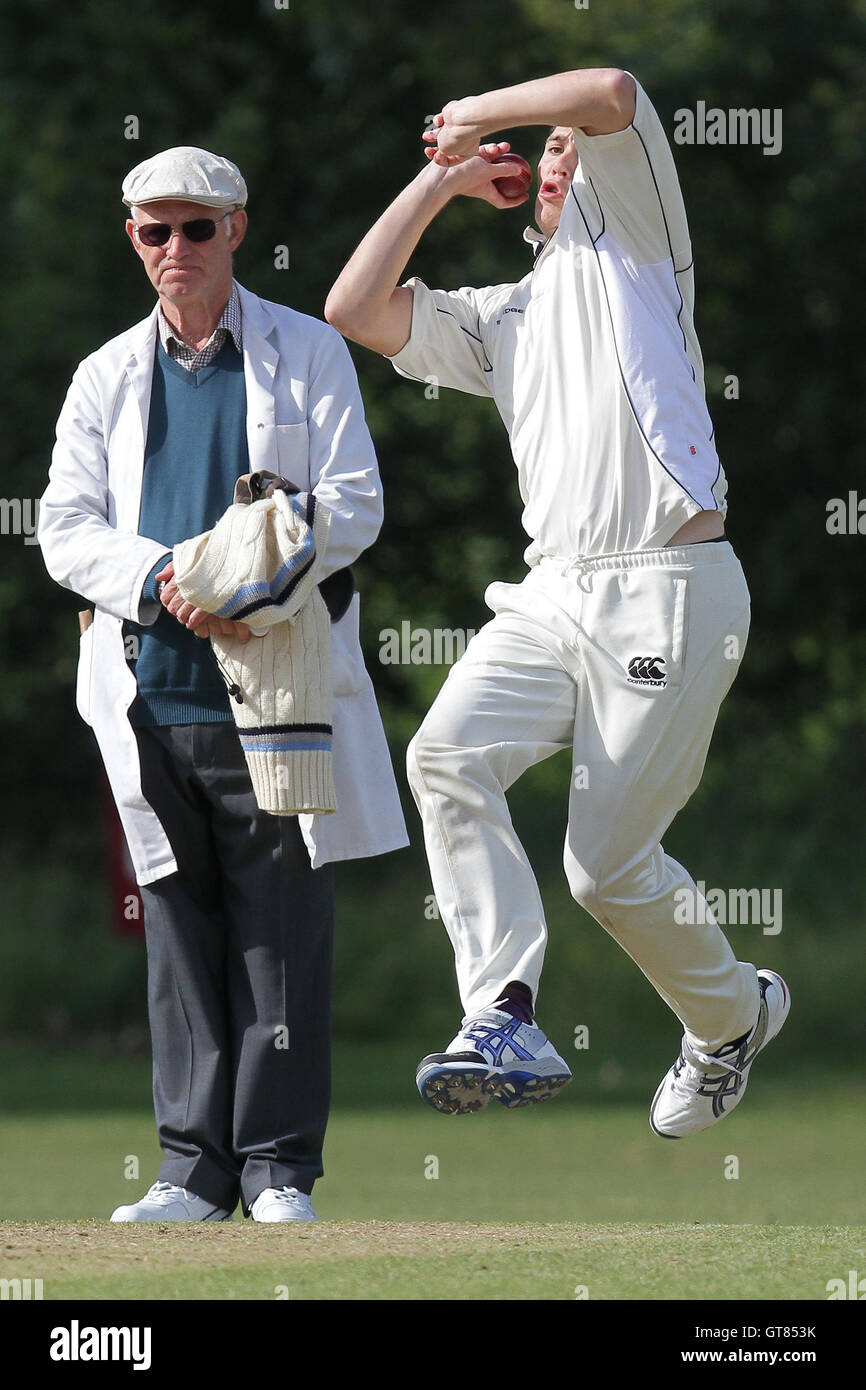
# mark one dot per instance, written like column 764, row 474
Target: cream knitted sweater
column 258, row 566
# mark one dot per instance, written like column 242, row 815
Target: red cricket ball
column 515, row 185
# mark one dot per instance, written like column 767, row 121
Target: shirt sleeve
column 626, row 187
column 446, row 346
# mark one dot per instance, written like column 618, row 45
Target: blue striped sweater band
column 250, row 598
column 287, row 738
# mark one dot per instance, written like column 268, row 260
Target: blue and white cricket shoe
column 493, row 1057
column 700, row 1089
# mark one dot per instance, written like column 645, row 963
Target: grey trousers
column 239, row 952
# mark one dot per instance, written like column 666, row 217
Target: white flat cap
column 186, row 174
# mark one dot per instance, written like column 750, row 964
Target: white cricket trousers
column 626, row 659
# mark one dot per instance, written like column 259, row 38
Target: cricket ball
column 514, row 185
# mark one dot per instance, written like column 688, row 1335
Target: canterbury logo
column 647, row 670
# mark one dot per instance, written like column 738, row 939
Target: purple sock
column 516, row 999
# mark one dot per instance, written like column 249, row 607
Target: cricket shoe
column 166, row 1202
column 493, row 1057
column 282, row 1204
column 700, row 1089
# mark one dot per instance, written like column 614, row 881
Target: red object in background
column 127, row 910
column 514, row 185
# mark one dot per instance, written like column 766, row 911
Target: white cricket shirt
column 592, row 358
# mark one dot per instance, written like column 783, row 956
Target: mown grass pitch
column 528, row 1204
column 440, row 1261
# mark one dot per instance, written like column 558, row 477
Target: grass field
column 531, row 1204
column 427, row 1260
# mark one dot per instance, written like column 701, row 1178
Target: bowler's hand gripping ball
column 514, row 186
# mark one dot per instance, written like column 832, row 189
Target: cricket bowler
column 626, row 633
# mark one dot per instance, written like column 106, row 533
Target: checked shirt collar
column 228, row 326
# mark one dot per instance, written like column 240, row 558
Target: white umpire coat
column 305, row 421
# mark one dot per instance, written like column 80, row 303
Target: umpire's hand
column 201, row 623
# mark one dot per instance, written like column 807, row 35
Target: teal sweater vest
column 196, row 450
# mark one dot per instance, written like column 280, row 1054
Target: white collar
column 536, row 239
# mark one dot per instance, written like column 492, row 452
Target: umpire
column 157, row 426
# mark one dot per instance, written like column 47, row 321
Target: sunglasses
column 159, row 233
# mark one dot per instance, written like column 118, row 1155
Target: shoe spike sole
column 514, row 1091
column 463, row 1093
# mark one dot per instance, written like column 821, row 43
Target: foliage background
column 321, row 104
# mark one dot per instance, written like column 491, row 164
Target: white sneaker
column 282, row 1204
column 166, row 1202
column 700, row 1089
column 493, row 1057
